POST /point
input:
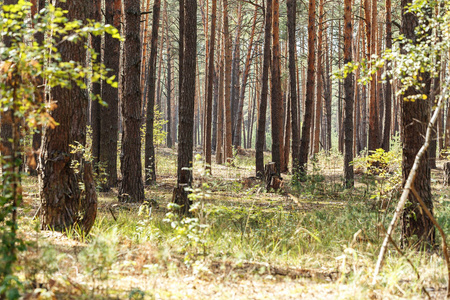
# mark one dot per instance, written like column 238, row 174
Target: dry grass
column 314, row 255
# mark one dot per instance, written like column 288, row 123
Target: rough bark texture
column 63, row 204
column 416, row 226
column 187, row 95
column 131, row 165
column 261, row 128
column 150, row 166
column 276, row 96
column 348, row 92
column 309, row 100
column 109, row 121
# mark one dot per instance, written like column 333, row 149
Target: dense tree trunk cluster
column 208, row 88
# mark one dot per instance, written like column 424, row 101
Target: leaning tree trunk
column 63, row 204
column 415, row 117
column 132, row 186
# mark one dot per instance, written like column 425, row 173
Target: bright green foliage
column 159, row 135
column 26, row 66
column 384, row 168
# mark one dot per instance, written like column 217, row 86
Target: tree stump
column 446, row 173
column 180, row 197
column 272, row 180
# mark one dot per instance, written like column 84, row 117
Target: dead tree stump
column 446, row 173
column 272, row 180
column 180, row 197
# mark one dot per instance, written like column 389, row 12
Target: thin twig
column 407, row 259
column 439, row 228
column 409, row 182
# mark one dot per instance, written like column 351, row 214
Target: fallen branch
column 409, row 183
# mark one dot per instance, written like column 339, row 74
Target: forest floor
column 310, row 241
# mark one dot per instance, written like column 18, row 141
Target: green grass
column 333, row 231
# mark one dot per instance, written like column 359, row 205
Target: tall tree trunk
column 261, row 128
column 319, row 90
column 37, row 135
column 276, row 95
column 415, row 118
column 292, row 16
column 228, row 61
column 248, row 59
column 309, row 100
column 63, row 204
column 348, row 91
column 169, row 140
column 220, row 110
column 187, row 93
column 132, row 186
column 235, row 70
column 109, row 120
column 96, row 86
column 374, row 129
column 150, row 163
column 210, row 81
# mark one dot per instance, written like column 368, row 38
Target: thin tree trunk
column 150, row 162
column 227, row 100
column 348, row 91
column 210, row 81
column 310, row 82
column 110, row 115
column 261, row 128
column 276, row 95
column 292, row 17
column 319, row 90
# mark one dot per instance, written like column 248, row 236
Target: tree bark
column 348, row 91
column 319, row 90
column 187, row 94
column 110, row 115
column 415, row 118
column 228, row 62
column 131, row 165
column 96, row 86
column 150, row 163
column 292, row 17
column 261, row 128
column 276, row 96
column 310, row 82
column 63, row 204
column 210, row 80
